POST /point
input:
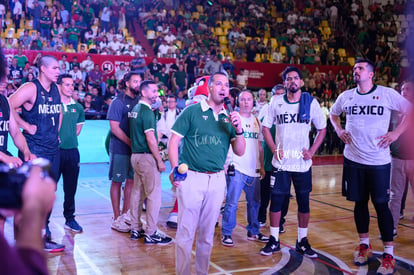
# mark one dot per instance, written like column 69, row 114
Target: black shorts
column 360, row 181
column 302, row 181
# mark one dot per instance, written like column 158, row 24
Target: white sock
column 389, row 249
column 274, row 231
column 364, row 241
column 302, row 233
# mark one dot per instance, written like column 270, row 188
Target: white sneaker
column 126, row 217
column 120, row 225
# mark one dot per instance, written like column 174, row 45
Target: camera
column 12, row 180
column 231, row 171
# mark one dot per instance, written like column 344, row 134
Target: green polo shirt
column 73, row 115
column 141, row 121
column 73, row 33
column 206, row 137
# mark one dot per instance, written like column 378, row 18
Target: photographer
column 26, row 257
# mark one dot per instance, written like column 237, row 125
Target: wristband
column 239, row 134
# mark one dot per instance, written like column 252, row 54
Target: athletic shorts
column 120, row 167
column 360, row 181
column 302, row 181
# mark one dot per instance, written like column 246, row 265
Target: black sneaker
column 271, row 247
column 74, row 226
column 281, row 229
column 157, row 238
column 227, row 240
column 52, row 247
column 303, row 247
column 259, row 237
column 137, row 234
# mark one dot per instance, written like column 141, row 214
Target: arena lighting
column 210, row 2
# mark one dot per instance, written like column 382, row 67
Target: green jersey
column 141, row 121
column 73, row 115
column 206, row 137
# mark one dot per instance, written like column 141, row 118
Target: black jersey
column 45, row 115
column 4, row 122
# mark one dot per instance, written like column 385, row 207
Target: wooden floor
column 100, row 250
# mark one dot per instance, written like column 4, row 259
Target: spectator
column 64, row 64
column 131, row 14
column 190, row 67
column 15, row 72
column 83, row 27
column 179, row 79
column 212, row 66
column 96, row 78
column 105, row 18
column 138, row 65
column 37, row 14
column 76, row 75
column 119, row 74
column 64, row 13
column 87, row 64
column 45, row 24
column 73, row 33
column 154, row 67
column 87, row 103
column 163, row 76
column 180, row 100
column 21, row 58
column 242, row 79
column 164, row 49
column 115, row 15
column 17, row 14
column 74, row 62
column 115, row 45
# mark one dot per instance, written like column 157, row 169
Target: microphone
column 227, row 102
column 180, row 172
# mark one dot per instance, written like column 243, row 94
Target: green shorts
column 120, row 167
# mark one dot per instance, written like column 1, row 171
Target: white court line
column 82, row 254
column 241, row 270
column 222, row 271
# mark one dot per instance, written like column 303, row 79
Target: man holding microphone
column 207, row 133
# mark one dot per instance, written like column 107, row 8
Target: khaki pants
column 402, row 172
column 199, row 201
column 147, row 185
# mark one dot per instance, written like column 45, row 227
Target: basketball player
column 367, row 159
column 40, row 121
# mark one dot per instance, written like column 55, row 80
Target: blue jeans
column 251, row 187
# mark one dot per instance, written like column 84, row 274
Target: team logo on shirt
column 73, row 110
column 205, row 117
column 226, row 120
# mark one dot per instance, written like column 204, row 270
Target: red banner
column 261, row 75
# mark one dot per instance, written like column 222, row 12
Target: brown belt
column 206, row 172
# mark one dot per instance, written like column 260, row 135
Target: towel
column 304, row 107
